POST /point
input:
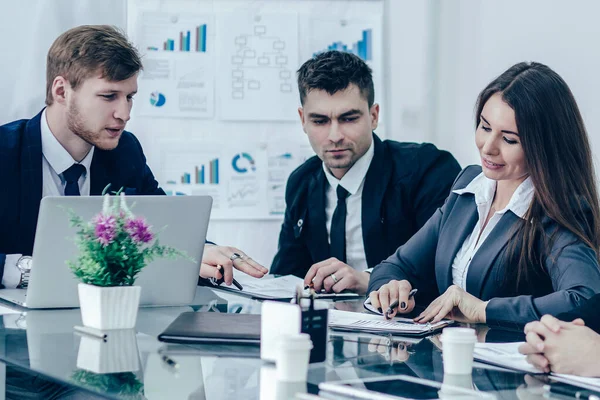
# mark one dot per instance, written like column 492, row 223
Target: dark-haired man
column 78, row 145
column 360, row 198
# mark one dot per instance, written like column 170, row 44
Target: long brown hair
column 554, row 141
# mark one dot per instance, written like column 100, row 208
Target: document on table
column 266, row 288
column 504, row 355
column 280, row 288
column 353, row 321
column 507, row 355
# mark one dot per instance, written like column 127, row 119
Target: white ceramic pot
column 112, row 307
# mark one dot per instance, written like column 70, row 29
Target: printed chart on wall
column 234, row 176
column 245, row 180
column 178, row 55
column 359, row 36
column 283, row 159
column 258, row 57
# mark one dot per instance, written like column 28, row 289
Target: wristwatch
column 24, row 265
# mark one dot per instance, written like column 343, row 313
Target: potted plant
column 113, row 249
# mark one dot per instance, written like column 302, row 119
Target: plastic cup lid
column 299, row 341
column 459, row 335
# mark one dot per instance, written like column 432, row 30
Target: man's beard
column 76, row 125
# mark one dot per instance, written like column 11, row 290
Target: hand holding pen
column 218, row 282
column 392, row 307
column 393, row 291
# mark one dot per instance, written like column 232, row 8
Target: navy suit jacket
column 589, row 312
column 404, row 185
column 21, row 177
column 572, row 274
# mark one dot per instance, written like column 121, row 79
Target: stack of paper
column 504, row 355
column 352, row 321
column 587, row 383
column 507, row 355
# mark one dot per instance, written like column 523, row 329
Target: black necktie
column 71, row 176
column 337, row 236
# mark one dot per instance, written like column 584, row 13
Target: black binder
column 211, row 327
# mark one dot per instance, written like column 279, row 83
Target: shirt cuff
column 369, row 270
column 12, row 274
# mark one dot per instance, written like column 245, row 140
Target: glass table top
column 134, row 364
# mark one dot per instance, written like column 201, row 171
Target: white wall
column 478, row 40
column 28, row 28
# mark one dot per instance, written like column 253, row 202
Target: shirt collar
column 484, row 189
column 56, row 155
column 355, row 176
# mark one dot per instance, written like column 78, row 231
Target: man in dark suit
column 77, row 145
column 360, row 198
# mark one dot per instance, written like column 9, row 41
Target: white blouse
column 484, row 189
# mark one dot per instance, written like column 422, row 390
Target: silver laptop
column 181, row 220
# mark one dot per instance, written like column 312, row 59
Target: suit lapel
column 376, row 183
column 316, row 238
column 484, row 258
column 458, row 226
column 31, row 182
column 98, row 175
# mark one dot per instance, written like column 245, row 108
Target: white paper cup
column 293, row 353
column 457, row 350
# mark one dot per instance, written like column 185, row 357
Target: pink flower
column 139, row 230
column 105, row 228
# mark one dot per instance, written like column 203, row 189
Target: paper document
column 281, row 288
column 504, row 355
column 7, row 310
column 587, row 383
column 507, row 355
column 353, row 321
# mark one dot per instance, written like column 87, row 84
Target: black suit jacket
column 21, row 177
column 404, row 185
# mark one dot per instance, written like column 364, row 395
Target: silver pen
column 91, row 332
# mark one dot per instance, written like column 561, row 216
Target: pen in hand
column 396, row 302
column 234, row 282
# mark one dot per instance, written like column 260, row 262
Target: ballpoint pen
column 396, row 302
column 219, row 281
column 571, row 392
column 91, row 332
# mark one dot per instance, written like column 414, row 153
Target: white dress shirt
column 484, row 190
column 55, row 160
column 353, row 181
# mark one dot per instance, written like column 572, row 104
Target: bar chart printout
column 188, row 40
column 201, row 174
column 362, row 48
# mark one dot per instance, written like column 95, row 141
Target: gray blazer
column 573, row 273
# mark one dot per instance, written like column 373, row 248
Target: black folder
column 212, row 327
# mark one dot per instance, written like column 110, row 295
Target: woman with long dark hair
column 519, row 236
